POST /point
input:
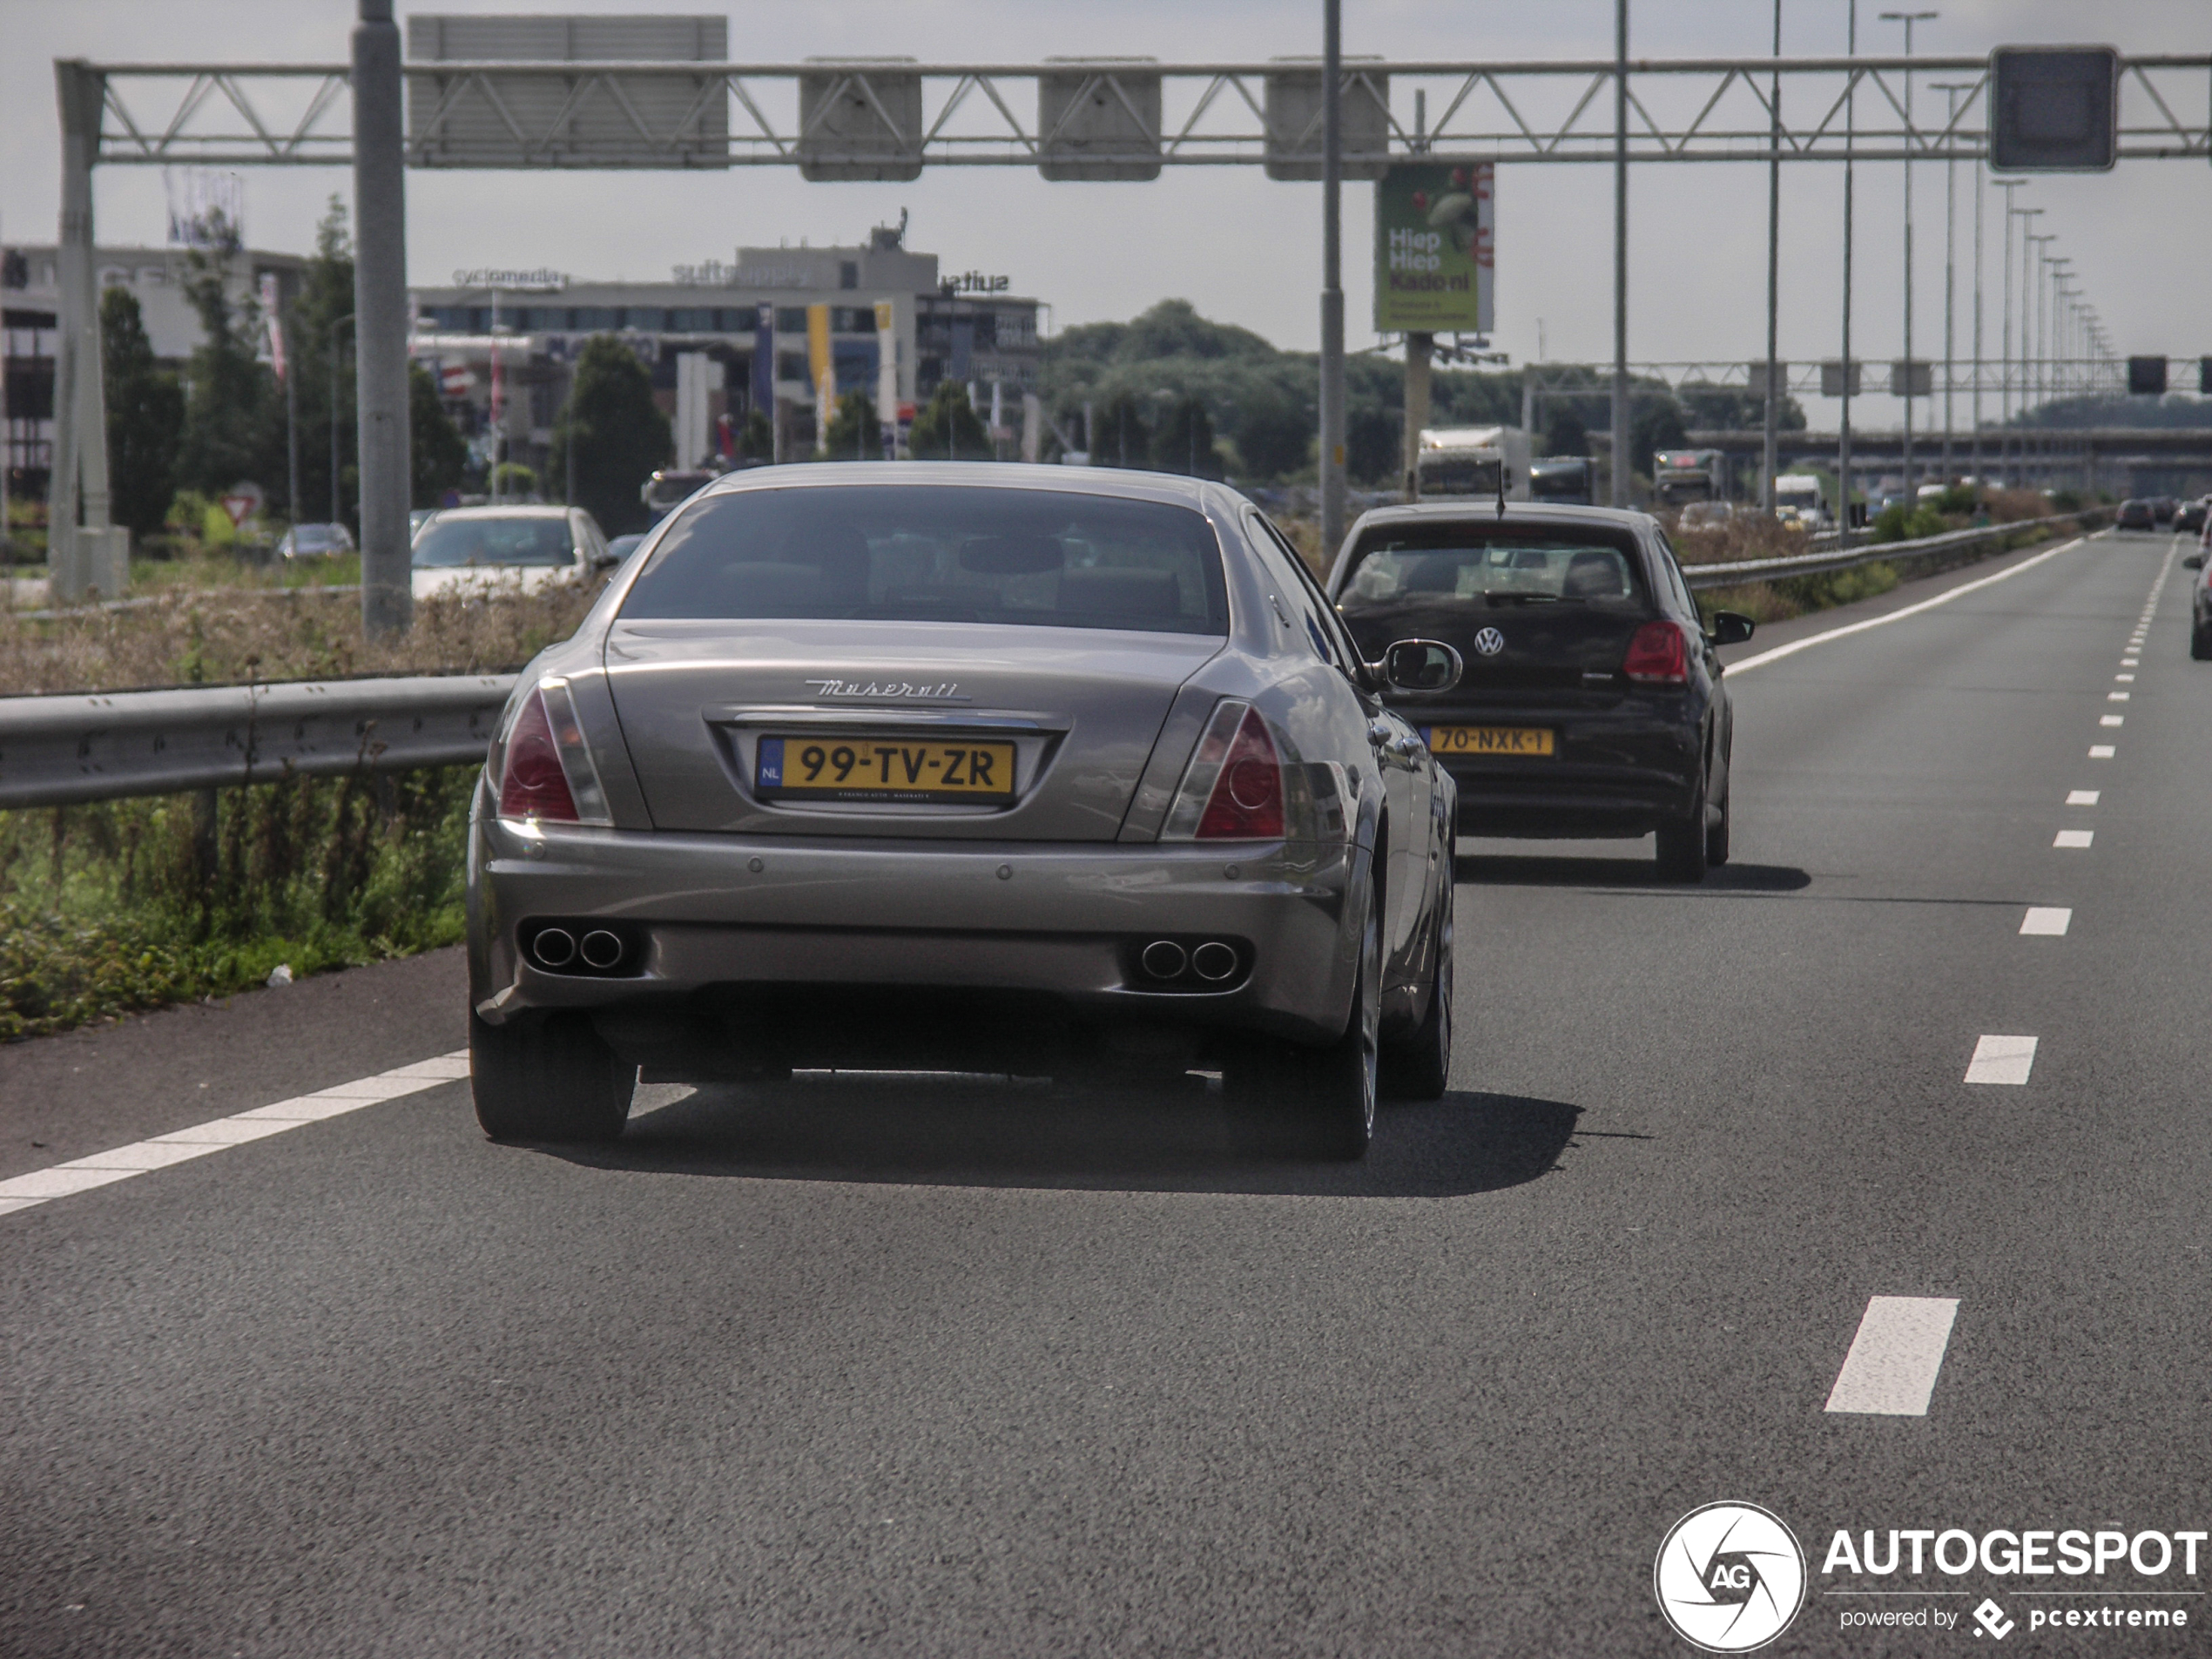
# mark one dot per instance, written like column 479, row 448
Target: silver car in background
column 523, row 548
column 967, row 766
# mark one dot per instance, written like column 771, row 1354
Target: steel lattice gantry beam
column 1094, row 118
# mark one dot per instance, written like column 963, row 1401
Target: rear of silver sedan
column 887, row 765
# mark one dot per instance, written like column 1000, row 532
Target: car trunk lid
column 1076, row 711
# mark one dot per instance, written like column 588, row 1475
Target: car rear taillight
column 547, row 770
column 1247, row 801
column 1658, row 655
column 1233, row 790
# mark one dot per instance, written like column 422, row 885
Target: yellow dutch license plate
column 1489, row 739
column 894, row 768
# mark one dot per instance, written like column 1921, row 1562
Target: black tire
column 1314, row 1103
column 1682, row 844
column 1717, row 837
column 1418, row 1065
column 2201, row 642
column 548, row 1077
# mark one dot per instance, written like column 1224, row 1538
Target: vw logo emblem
column 1489, row 642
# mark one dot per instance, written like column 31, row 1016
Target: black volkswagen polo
column 1592, row 704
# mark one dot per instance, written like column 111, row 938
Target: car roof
column 520, row 510
column 1486, row 508
column 1128, row 484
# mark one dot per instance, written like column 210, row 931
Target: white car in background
column 517, row 547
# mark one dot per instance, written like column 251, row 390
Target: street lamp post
column 2037, row 363
column 1951, row 91
column 1843, row 424
column 1908, row 18
column 2008, row 439
column 335, row 325
column 1771, row 448
column 1618, row 466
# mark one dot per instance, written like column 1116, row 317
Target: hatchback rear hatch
column 911, row 659
column 1542, row 613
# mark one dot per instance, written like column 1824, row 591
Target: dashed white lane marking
column 1963, row 588
column 2124, row 679
column 1891, row 1368
column 2001, row 1060
column 2110, row 719
column 2102, row 752
column 121, row 1162
column 2118, row 697
column 2073, row 838
column 2048, row 921
column 2082, row 797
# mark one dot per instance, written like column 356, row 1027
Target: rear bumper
column 754, row 937
column 1614, row 773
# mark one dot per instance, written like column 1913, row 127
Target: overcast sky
column 1240, row 247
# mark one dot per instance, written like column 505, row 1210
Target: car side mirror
column 1417, row 665
column 2195, row 561
column 1731, row 628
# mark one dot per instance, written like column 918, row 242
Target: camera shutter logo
column 1489, row 642
column 1729, row 1577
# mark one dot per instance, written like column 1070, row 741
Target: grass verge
column 120, row 906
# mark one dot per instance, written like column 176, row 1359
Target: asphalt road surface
column 967, row 1366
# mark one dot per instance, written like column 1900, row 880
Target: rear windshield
column 938, row 553
column 1490, row 565
column 447, row 542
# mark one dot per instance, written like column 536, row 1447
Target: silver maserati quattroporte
column 1012, row 768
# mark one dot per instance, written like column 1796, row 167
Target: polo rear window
column 1481, row 565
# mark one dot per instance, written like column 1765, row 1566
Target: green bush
column 1894, row 523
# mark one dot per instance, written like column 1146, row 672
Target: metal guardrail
column 1965, row 543
column 105, row 745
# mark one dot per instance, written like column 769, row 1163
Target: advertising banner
column 1434, row 231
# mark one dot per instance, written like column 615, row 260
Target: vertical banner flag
column 764, row 361
column 887, row 373
column 1434, row 231
column 824, row 373
column 275, row 324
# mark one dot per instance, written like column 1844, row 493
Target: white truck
column 1797, row 501
column 1465, row 460
column 1679, row 477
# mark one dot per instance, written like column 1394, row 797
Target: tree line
column 222, row 418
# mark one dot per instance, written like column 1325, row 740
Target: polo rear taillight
column 1659, row 655
column 1233, row 790
column 546, row 770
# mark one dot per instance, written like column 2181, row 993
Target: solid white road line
column 2082, row 797
column 2050, row 921
column 1964, row 588
column 2073, row 838
column 2001, row 1060
column 2100, row 752
column 119, row 1163
column 1891, row 1370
